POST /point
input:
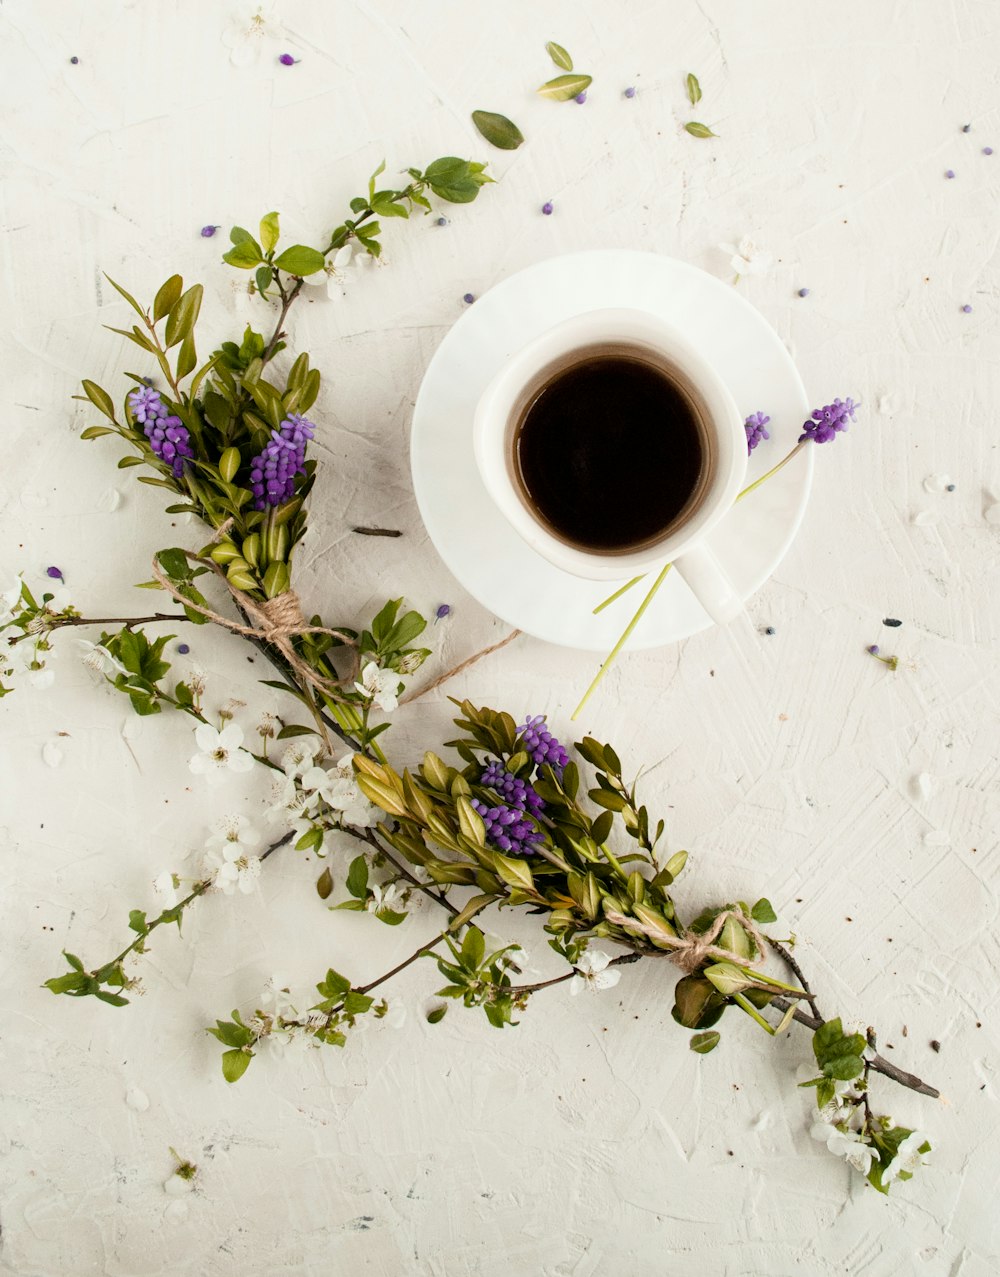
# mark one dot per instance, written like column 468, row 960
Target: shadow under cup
column 610, row 448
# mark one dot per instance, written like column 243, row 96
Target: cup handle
column 707, row 580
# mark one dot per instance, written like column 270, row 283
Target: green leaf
column 167, row 297
column 514, row 872
column 844, row 1067
column 763, row 912
column 559, row 56
column 453, row 180
column 95, row 432
column 238, row 235
column 263, row 279
column 564, row 87
column 357, row 877
column 269, row 231
column 437, row 1014
column 608, row 799
column 696, row 1004
column 727, row 978
column 183, row 316
column 300, row 260
column 235, row 1064
column 702, row 1043
column 174, row 563
column 699, row 130
column 73, row 960
column 825, row 1091
column 100, row 399
column 187, row 357
column 295, row 729
column 128, row 296
column 472, row 907
column 498, row 130
column 386, row 204
column 244, row 255
column 137, row 922
column 473, row 949
column 324, row 884
column 693, row 89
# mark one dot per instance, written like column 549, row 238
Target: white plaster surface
column 588, row 1141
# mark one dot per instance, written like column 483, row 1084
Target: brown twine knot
column 690, row 949
column 276, row 621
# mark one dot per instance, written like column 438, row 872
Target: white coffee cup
column 683, row 543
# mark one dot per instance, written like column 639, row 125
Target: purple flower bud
column 54, row 573
column 966, row 128
column 168, row 437
column 949, row 487
column 803, row 292
column 541, row 745
column 966, row 309
column 183, row 649
column 74, row 59
column 770, row 631
column 874, row 649
column 442, row 221
column 630, row 91
column 469, row 298
column 581, row 98
column 287, row 60
column 950, row 173
column 826, row 423
column 987, row 150
column 208, row 231
column 547, row 208
column 443, row 610
column 273, row 471
column 755, row 427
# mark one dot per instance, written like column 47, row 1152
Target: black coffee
column 609, row 452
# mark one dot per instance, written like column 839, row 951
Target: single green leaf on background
column 702, row 1043
column 128, row 296
column 244, row 255
column 263, row 279
column 235, row 1064
column 99, row 398
column 559, row 56
column 300, row 260
column 357, row 877
column 699, row 130
column 269, row 231
column 564, row 87
column 437, row 1014
column 167, row 297
column 498, row 130
column 763, row 911
column 183, row 316
column 324, row 884
column 693, row 89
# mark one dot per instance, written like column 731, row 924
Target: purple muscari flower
column 74, row 59
column 273, row 471
column 54, row 573
column 539, row 742
column 874, row 649
column 444, row 609
column 630, row 91
column 287, row 60
column 167, row 437
column 949, row 173
column 987, row 150
column 208, row 231
column 508, row 828
column 803, row 292
column 183, row 649
column 581, row 98
column 547, row 208
column 755, row 427
column 514, row 791
column 966, row 309
column 469, row 298
column 826, row 423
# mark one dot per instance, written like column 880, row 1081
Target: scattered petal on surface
column 937, row 838
column 936, row 483
column 177, row 1186
column 922, row 786
column 925, row 518
column 52, row 755
column 137, row 1099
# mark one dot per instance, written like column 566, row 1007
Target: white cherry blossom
column 97, row 657
column 592, row 972
column 220, row 752
column 845, row 1143
column 300, row 755
column 380, row 685
column 9, row 599
column 746, row 258
column 24, row 656
column 249, row 33
column 339, row 789
column 908, row 1157
column 165, row 887
column 382, row 898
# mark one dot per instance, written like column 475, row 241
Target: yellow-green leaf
column 693, row 89
column 559, row 56
column 564, row 87
column 699, row 130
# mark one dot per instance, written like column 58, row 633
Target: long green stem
column 626, row 634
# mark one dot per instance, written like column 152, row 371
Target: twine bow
column 690, row 949
column 276, row 621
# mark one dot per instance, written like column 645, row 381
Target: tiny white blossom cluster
column 312, row 797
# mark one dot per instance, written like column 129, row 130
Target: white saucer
column 482, row 549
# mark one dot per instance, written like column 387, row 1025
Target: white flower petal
column 206, row 737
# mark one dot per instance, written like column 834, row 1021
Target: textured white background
column 589, row 1140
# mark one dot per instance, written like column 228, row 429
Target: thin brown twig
column 789, row 960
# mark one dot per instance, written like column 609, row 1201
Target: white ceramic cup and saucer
column 632, row 335
column 479, row 544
